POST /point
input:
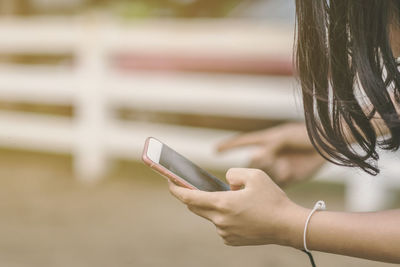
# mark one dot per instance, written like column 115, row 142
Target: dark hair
column 346, row 69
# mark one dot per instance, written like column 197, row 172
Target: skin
column 258, row 212
column 284, row 152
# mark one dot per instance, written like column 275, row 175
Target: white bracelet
column 320, row 205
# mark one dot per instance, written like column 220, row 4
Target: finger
column 314, row 163
column 221, row 232
column 262, row 164
column 241, row 177
column 282, row 171
column 204, row 213
column 193, row 197
column 254, row 138
column 266, row 156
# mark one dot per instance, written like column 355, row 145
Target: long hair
column 349, row 78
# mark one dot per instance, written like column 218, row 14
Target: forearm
column 374, row 236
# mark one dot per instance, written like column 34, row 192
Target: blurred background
column 84, row 82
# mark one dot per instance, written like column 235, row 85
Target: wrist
column 293, row 226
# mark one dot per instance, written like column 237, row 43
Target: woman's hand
column 255, row 212
column 284, row 152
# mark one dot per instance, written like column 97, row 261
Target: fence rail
column 94, row 135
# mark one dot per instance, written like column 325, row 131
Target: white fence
column 94, row 135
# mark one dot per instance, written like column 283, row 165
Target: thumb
column 238, row 178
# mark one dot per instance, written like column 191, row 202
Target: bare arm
column 374, row 236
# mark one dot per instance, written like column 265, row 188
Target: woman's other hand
column 255, row 212
column 284, row 152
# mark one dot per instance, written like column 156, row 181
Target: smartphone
column 179, row 169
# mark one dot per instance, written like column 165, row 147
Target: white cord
column 320, row 205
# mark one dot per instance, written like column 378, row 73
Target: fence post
column 90, row 161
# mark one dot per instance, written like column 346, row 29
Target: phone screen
column 188, row 171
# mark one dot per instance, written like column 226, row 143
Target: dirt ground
column 127, row 219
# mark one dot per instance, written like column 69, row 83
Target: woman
column 342, row 46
